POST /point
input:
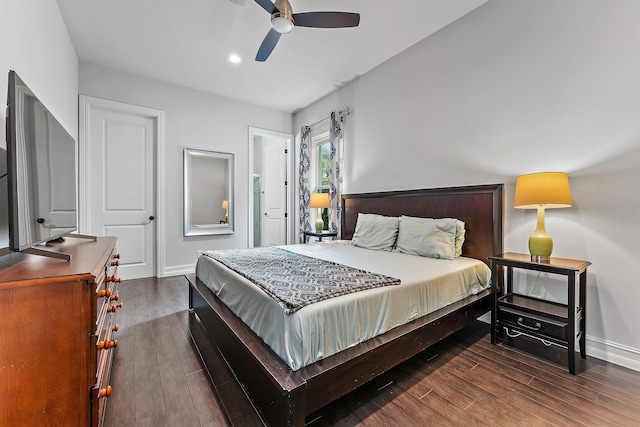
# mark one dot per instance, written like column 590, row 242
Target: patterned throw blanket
column 295, row 280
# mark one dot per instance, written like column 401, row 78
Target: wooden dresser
column 57, row 334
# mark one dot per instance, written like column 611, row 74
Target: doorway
column 269, row 189
column 118, row 155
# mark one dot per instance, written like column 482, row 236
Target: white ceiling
column 188, row 42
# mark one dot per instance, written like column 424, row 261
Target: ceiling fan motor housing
column 282, row 19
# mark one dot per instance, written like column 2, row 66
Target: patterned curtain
column 336, row 134
column 303, row 183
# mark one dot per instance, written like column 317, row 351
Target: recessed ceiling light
column 234, row 58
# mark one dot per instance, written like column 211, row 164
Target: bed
column 284, row 396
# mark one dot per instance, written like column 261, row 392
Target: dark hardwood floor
column 158, row 380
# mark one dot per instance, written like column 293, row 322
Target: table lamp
column 225, row 206
column 320, row 201
column 539, row 191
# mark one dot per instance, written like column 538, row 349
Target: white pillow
column 375, row 232
column 460, row 231
column 428, row 237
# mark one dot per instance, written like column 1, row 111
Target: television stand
column 76, row 236
column 51, row 254
column 59, row 255
column 36, row 251
column 81, row 236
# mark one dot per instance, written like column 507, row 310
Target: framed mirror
column 208, row 192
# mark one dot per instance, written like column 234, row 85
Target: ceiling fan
column 283, row 20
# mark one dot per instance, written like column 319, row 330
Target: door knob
column 148, row 220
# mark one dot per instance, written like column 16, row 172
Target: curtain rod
column 345, row 112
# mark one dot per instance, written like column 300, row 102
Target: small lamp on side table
column 539, row 191
column 320, row 201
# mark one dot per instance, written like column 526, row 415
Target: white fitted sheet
column 327, row 327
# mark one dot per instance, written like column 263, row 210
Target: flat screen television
column 41, row 171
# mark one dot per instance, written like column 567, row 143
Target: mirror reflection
column 208, row 192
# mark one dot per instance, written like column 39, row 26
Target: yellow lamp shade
column 225, row 204
column 546, row 189
column 319, row 200
column 539, row 191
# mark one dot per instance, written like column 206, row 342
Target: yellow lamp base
column 540, row 243
column 540, row 248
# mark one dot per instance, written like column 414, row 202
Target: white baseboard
column 613, row 352
column 178, row 270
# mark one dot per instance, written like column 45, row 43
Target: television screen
column 41, row 168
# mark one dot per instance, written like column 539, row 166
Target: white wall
column 194, row 119
column 514, row 87
column 36, row 45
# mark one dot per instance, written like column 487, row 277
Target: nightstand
column 318, row 235
column 560, row 324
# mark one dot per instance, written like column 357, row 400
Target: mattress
column 330, row 326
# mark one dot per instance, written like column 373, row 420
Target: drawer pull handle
column 115, row 263
column 114, row 279
column 536, row 327
column 105, row 392
column 104, row 293
column 114, row 328
column 115, row 297
column 116, row 256
column 113, row 308
column 106, row 345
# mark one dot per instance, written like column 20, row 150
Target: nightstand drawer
column 530, row 323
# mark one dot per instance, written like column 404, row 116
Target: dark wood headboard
column 479, row 206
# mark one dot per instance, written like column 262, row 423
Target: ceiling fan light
column 281, row 24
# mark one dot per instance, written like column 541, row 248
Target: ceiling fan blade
column 326, row 19
column 268, row 6
column 267, row 45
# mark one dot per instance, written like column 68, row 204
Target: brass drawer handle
column 536, row 327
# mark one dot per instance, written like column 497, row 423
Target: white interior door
column 120, row 188
column 274, row 173
column 270, row 197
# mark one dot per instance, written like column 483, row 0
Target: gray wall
column 36, row 45
column 198, row 120
column 514, row 87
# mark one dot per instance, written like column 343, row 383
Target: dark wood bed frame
column 285, row 397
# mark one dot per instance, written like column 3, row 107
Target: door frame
column 87, row 103
column 288, row 138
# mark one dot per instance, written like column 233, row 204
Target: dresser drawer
column 102, row 389
column 530, row 323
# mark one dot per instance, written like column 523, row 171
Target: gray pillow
column 428, row 237
column 375, row 232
